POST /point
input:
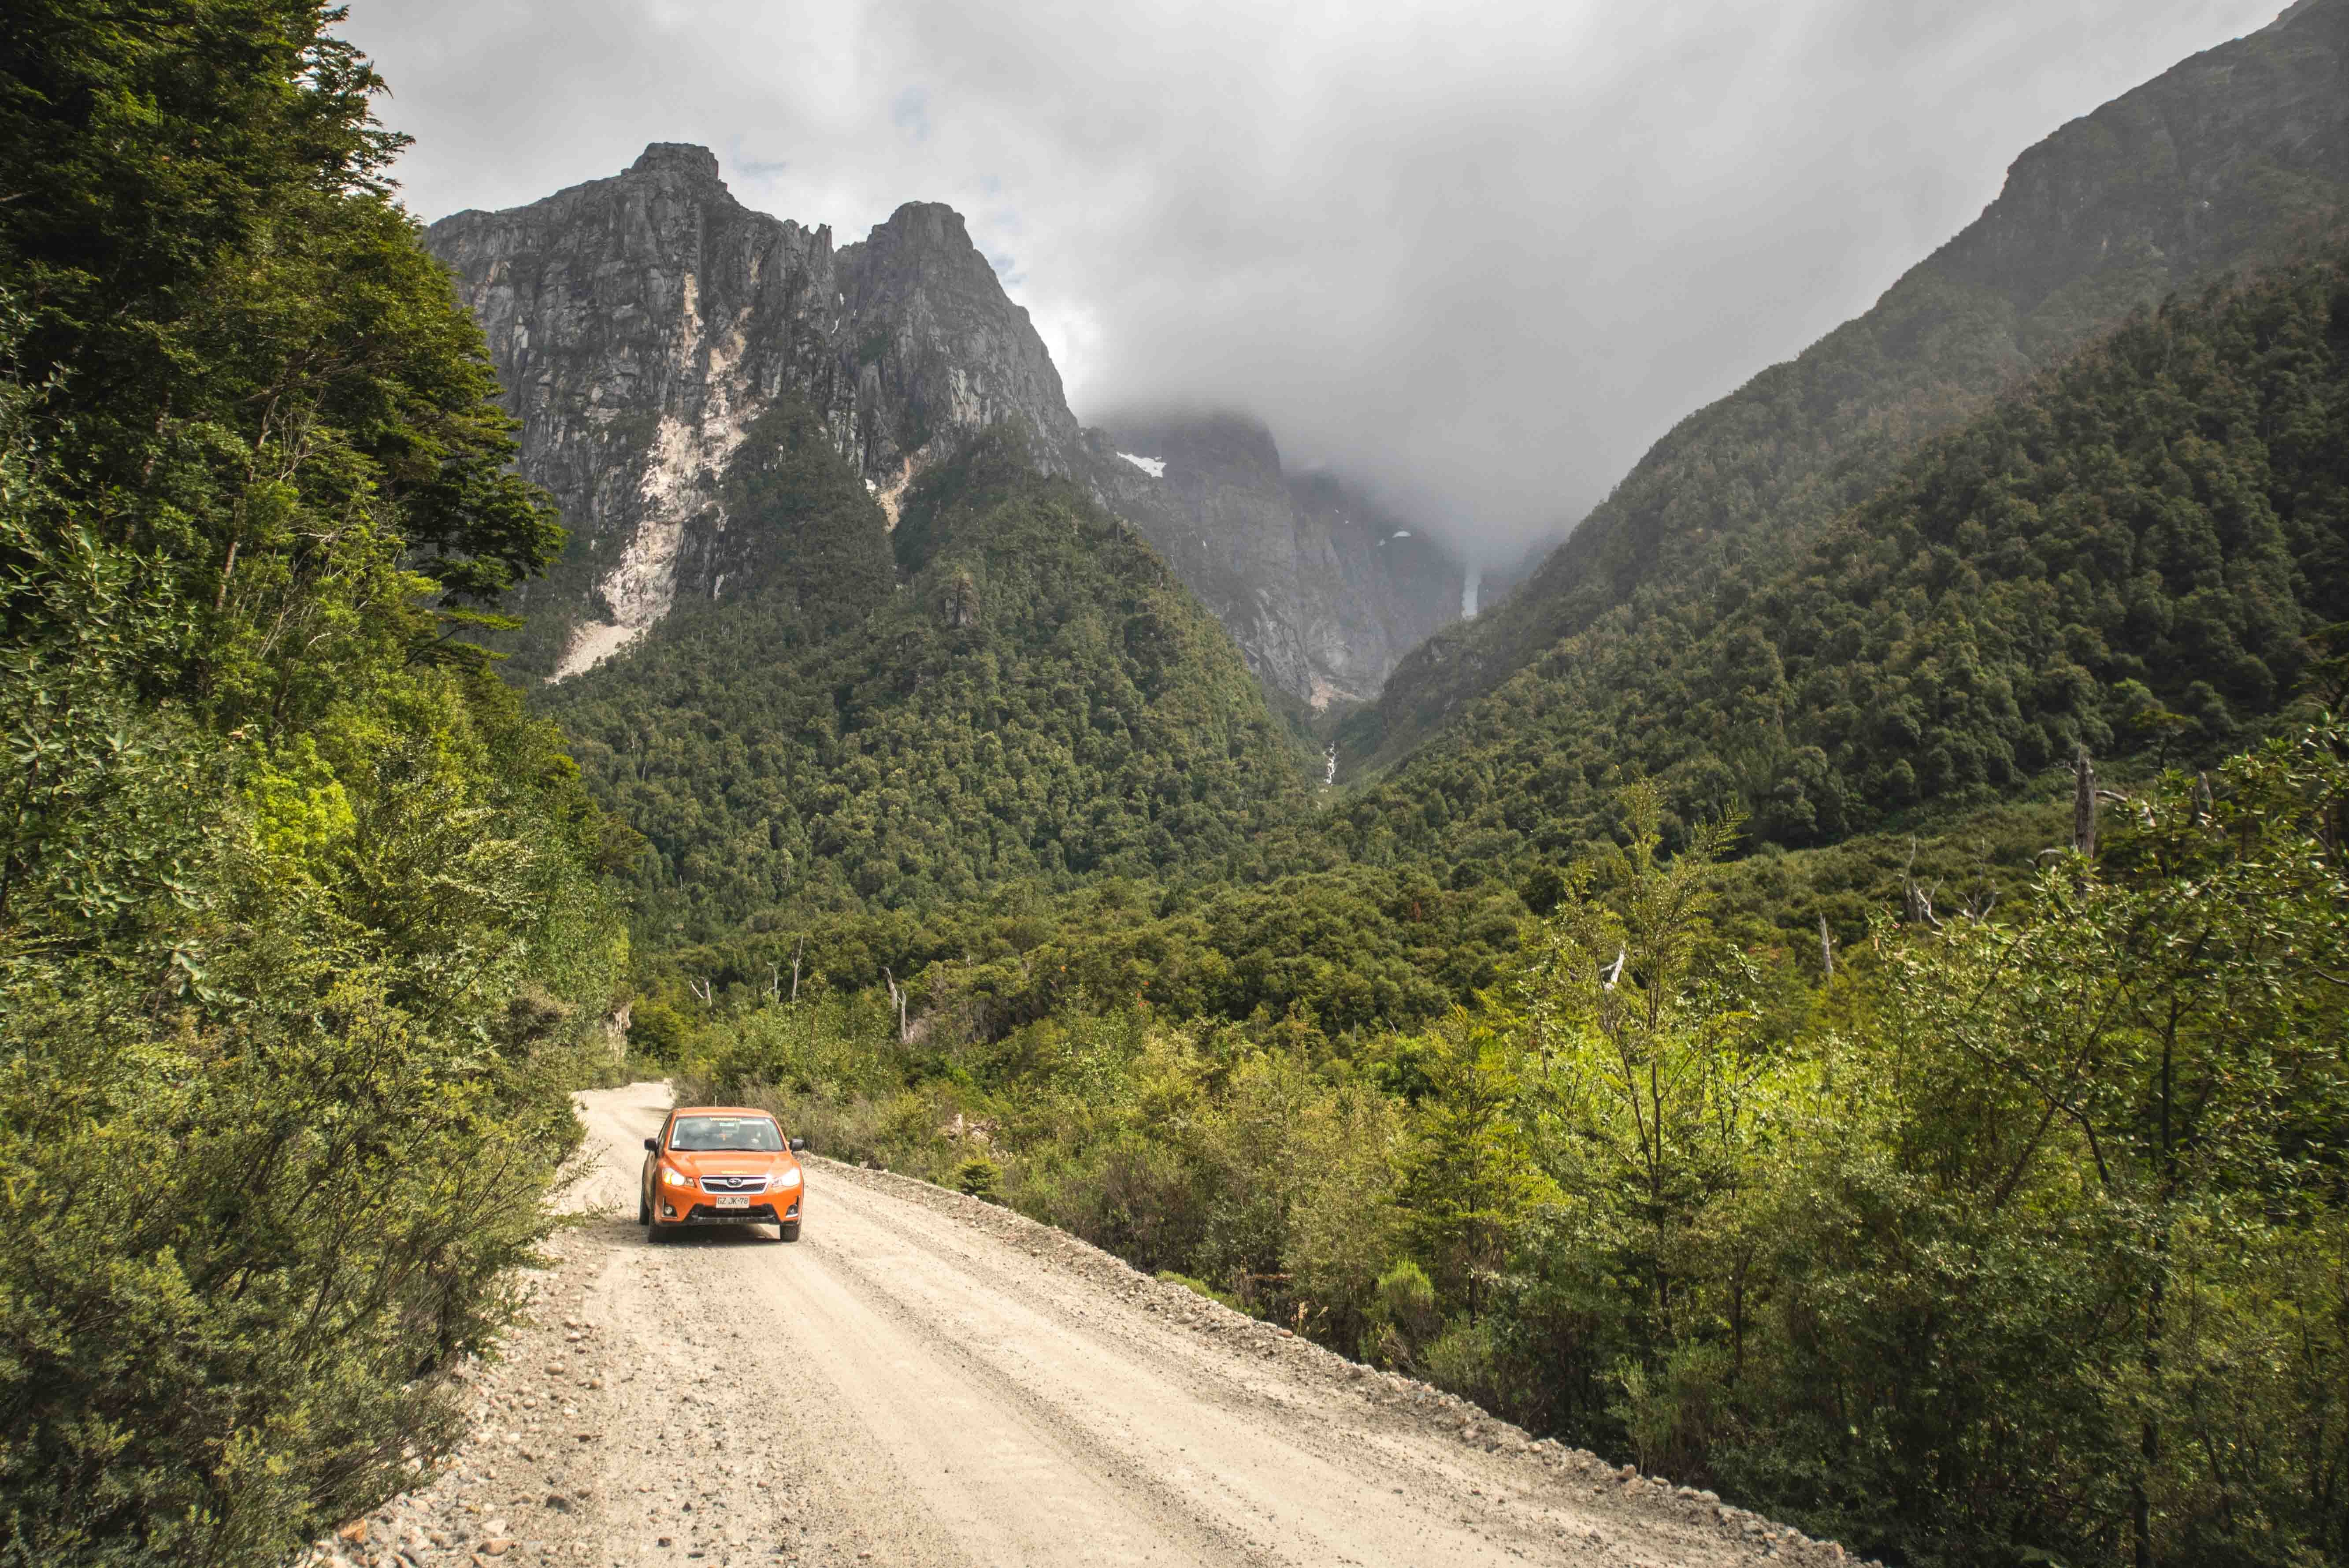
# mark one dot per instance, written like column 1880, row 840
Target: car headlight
column 786, row 1182
column 674, row 1178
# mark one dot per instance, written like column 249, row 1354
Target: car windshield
column 701, row 1134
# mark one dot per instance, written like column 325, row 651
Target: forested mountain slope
column 2127, row 556
column 1040, row 698
column 2206, row 168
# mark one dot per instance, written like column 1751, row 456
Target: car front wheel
column 788, row 1232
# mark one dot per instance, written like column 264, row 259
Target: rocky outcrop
column 643, row 324
column 1323, row 589
column 645, row 327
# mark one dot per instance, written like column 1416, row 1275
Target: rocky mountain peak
column 682, row 158
column 1218, row 439
column 645, row 325
column 924, row 228
column 945, row 343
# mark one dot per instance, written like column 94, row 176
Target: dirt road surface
column 927, row 1379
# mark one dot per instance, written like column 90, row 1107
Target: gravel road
column 928, row 1379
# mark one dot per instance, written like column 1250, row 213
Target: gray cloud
column 1478, row 256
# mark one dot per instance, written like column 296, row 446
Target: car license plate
column 733, row 1203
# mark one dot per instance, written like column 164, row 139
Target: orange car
column 720, row 1165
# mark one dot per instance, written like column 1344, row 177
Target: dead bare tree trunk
column 2083, row 805
column 1915, row 901
column 898, row 997
column 796, row 949
column 701, row 988
column 1826, row 948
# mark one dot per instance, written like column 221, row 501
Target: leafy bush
column 1198, row 1287
column 978, row 1177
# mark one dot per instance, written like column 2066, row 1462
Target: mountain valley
column 1803, row 1020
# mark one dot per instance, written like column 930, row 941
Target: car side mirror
column 652, row 1144
column 798, row 1146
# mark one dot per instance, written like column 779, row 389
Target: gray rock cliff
column 644, row 324
column 1322, row 588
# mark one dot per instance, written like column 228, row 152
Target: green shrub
column 657, row 1033
column 979, row 1176
column 1461, row 1361
column 1199, row 1287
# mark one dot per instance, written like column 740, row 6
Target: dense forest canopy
column 1032, row 695
column 2018, row 1240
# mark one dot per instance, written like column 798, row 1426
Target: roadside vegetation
column 301, row 942
column 2020, row 1239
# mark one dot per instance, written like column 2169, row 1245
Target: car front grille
column 756, row 1214
column 733, row 1184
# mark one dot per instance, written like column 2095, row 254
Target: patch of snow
column 1400, row 533
column 1332, row 776
column 1470, row 586
column 1154, row 467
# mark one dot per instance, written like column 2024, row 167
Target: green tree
column 2062, row 1273
column 1654, row 1086
column 1468, row 1178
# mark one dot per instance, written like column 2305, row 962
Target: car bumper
column 774, row 1209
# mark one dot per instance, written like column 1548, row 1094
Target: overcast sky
column 1479, row 256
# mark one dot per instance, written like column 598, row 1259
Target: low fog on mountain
column 1479, row 261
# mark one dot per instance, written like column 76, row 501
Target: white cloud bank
column 1479, row 256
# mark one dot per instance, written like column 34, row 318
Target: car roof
column 722, row 1110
